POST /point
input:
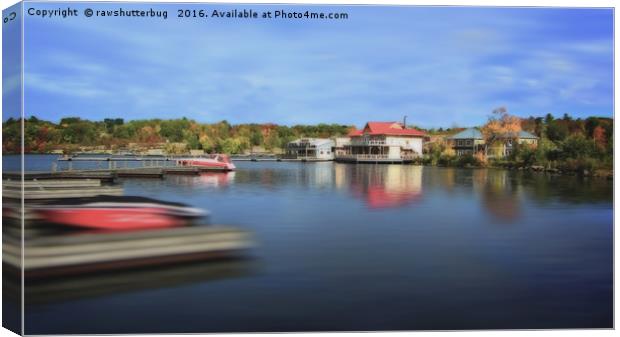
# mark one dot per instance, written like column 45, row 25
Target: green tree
column 557, row 131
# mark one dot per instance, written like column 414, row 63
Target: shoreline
column 597, row 173
column 604, row 173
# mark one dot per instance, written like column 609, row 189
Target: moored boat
column 117, row 213
column 220, row 161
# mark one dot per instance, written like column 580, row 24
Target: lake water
column 364, row 247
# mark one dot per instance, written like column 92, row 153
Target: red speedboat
column 215, row 161
column 117, row 213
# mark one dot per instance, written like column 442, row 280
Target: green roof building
column 468, row 141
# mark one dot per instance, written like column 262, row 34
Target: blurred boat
column 117, row 213
column 214, row 161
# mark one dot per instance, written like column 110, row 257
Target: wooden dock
column 42, row 175
column 56, row 250
column 111, row 174
column 57, row 189
column 99, row 251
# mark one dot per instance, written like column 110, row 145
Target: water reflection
column 114, row 283
column 431, row 258
column 210, row 180
column 216, row 179
column 499, row 195
column 386, row 186
column 379, row 186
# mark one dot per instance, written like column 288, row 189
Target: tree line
column 567, row 143
column 70, row 133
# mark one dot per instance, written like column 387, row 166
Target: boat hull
column 112, row 219
column 117, row 213
column 217, row 162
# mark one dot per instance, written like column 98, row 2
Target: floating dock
column 57, row 189
column 52, row 249
column 112, row 174
column 99, row 251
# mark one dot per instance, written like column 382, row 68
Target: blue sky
column 439, row 66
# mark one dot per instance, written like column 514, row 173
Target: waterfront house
column 310, row 149
column 468, row 141
column 502, row 145
column 387, row 142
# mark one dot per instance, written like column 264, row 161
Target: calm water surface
column 363, row 247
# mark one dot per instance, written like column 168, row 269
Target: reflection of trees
column 441, row 177
column 545, row 188
column 501, row 190
column 384, row 186
column 499, row 194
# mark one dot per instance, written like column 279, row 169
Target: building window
column 468, row 142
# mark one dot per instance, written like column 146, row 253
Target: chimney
column 405, row 122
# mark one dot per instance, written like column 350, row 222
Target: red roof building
column 389, row 142
column 389, row 128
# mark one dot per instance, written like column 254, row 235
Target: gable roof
column 521, row 134
column 386, row 128
column 525, row 134
column 354, row 133
column 471, row 133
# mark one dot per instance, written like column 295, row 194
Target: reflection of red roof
column 386, row 128
column 378, row 197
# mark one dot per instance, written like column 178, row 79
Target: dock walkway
column 68, row 254
column 111, row 174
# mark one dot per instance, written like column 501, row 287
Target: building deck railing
column 362, row 156
column 374, row 157
column 368, row 142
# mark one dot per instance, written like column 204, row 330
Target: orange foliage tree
column 500, row 123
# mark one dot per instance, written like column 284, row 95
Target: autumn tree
column 501, row 123
column 598, row 134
